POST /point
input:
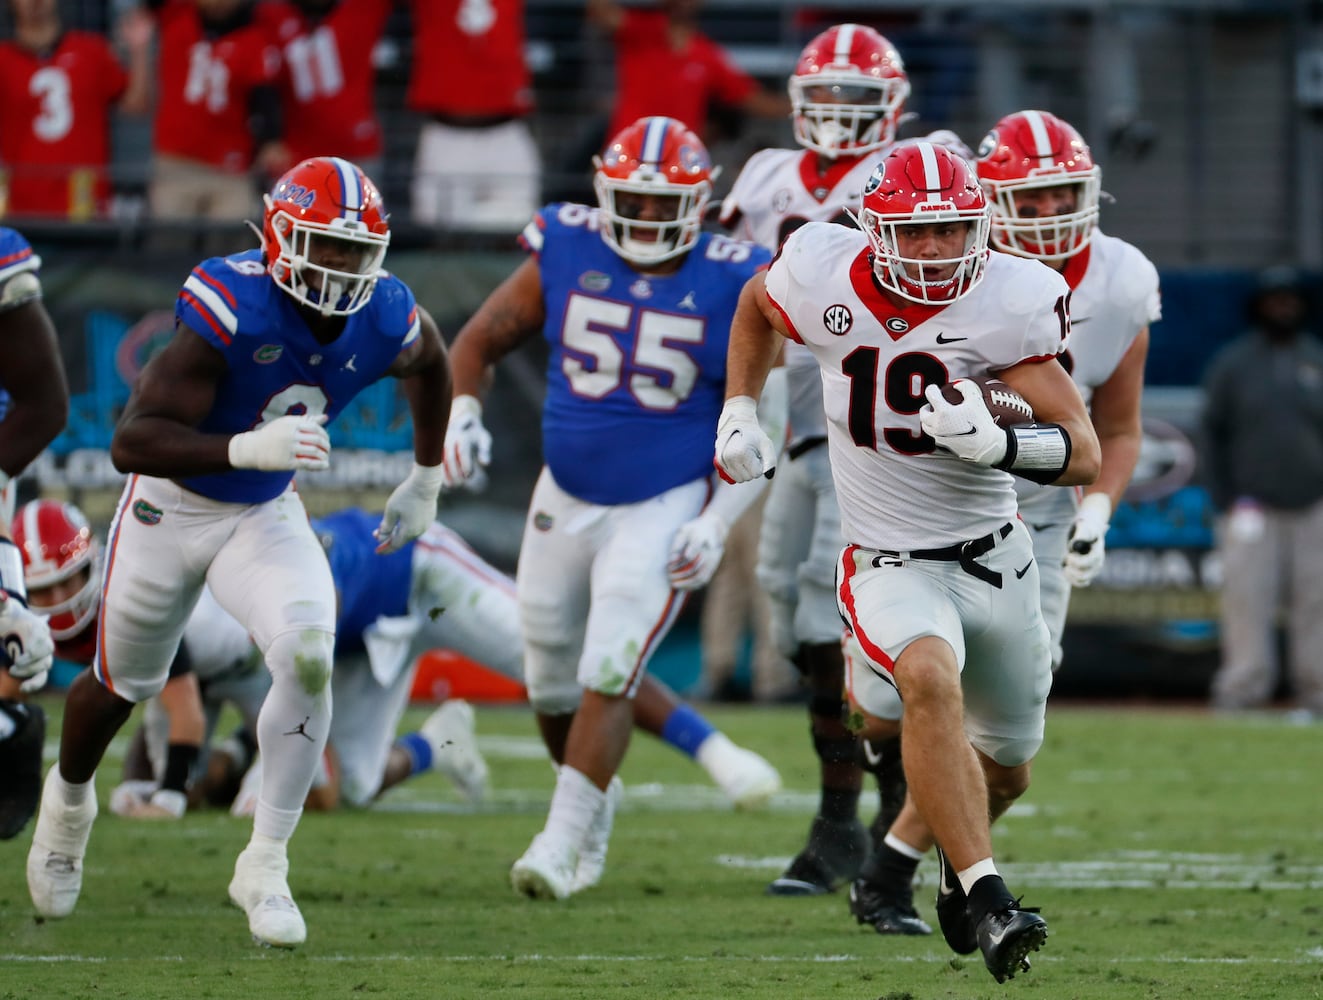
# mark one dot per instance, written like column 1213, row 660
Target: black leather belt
column 805, row 446
column 962, row 552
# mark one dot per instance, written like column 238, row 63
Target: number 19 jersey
column 896, row 490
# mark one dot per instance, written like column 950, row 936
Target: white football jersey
column 777, row 192
column 1114, row 296
column 896, row 491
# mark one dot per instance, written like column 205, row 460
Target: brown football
column 1005, row 404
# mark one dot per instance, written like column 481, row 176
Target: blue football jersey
column 637, row 372
column 276, row 365
column 16, row 258
column 368, row 585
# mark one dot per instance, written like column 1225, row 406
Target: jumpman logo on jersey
column 300, row 730
column 349, row 365
column 688, row 303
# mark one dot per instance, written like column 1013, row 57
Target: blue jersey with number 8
column 276, row 366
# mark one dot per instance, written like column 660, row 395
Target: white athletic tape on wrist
column 1037, row 452
column 11, row 571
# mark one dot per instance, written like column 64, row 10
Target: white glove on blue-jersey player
column 1085, row 550
column 468, row 445
column 294, row 442
column 966, row 429
column 696, row 551
column 744, row 451
column 410, row 509
column 28, row 646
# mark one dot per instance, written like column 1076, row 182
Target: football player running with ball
column 937, row 580
column 1043, row 186
column 627, row 515
column 269, row 345
column 848, row 92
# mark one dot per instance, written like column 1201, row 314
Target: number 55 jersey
column 637, row 370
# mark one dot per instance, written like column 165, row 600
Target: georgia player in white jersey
column 1043, row 185
column 848, row 91
column 937, row 580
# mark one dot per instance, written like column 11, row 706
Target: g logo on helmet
column 874, row 180
column 990, row 142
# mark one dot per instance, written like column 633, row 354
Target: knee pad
column 306, row 655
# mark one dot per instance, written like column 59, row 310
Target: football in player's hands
column 1005, row 404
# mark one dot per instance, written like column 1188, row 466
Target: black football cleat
column 1007, row 937
column 887, row 911
column 834, row 853
column 953, row 910
column 20, row 766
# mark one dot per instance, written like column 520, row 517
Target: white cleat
column 592, row 854
column 451, row 732
column 55, row 860
column 747, row 779
column 545, row 871
column 260, row 888
column 127, row 796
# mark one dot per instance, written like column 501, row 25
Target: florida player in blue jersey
column 635, row 303
column 269, row 345
column 34, row 404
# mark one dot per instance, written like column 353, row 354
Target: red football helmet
column 1029, row 151
column 922, row 184
column 57, row 544
column 654, row 167
column 325, row 235
column 848, row 90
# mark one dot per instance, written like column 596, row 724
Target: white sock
column 900, row 847
column 975, row 872
column 574, row 805
column 72, row 795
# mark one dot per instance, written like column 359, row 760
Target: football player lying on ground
column 392, row 608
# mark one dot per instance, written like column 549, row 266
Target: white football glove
column 696, row 551
column 965, row 429
column 28, row 646
column 468, row 445
column 1084, row 546
column 293, row 442
column 410, row 509
column 744, row 451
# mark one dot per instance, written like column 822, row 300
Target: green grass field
column 1174, row 854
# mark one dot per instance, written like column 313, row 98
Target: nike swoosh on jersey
column 1019, row 573
column 944, row 339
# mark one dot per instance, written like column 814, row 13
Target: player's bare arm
column 1115, row 409
column 157, row 435
column 512, row 314
column 1056, row 400
column 424, row 372
column 34, row 378
column 757, row 334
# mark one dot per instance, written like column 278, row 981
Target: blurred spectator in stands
column 217, row 130
column 665, row 65
column 60, row 88
column 328, row 77
column 1263, row 461
column 477, row 166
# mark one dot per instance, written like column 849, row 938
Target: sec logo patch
column 837, row 320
